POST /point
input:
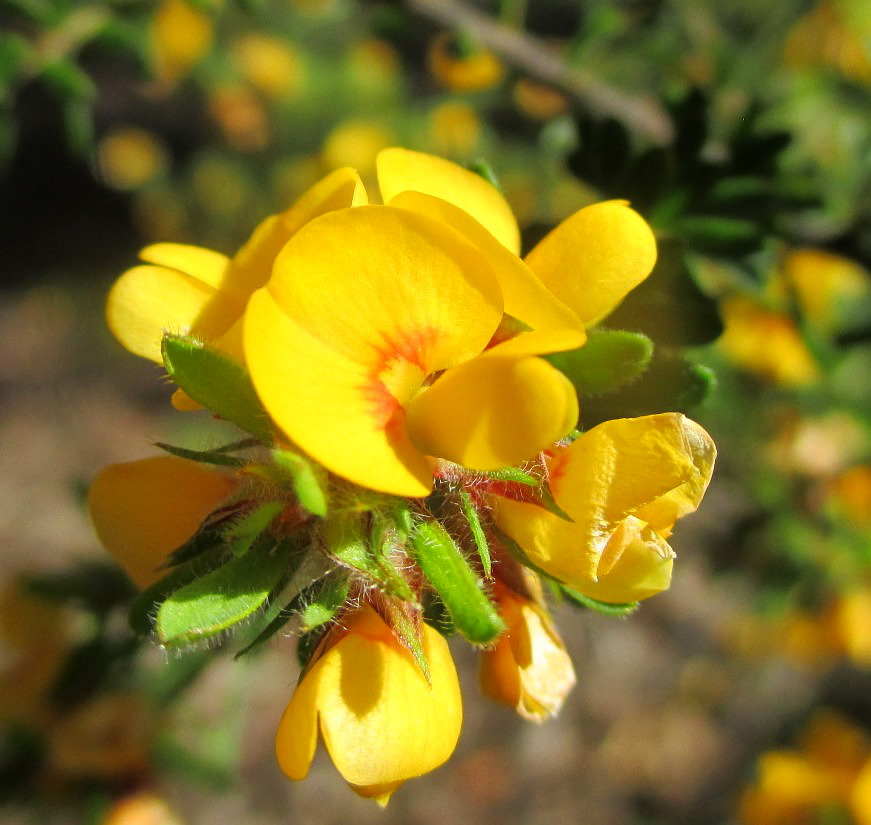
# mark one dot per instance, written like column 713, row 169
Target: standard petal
column 143, row 510
column 595, row 257
column 526, row 297
column 373, row 301
column 494, row 411
column 251, row 266
column 401, row 170
column 147, row 301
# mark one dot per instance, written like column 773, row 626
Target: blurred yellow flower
column 241, row 116
column 527, row 668
column 766, row 343
column 270, row 64
column 143, row 510
column 129, row 158
column 141, row 808
column 477, row 70
column 356, row 143
column 539, row 101
column 381, row 721
column 180, row 36
column 455, row 128
column 624, row 484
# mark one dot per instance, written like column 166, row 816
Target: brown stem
column 644, row 116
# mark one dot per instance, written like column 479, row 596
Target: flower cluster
column 413, row 466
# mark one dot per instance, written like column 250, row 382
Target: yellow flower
column 624, row 483
column 188, row 289
column 374, row 345
column 270, row 64
column 528, row 667
column 143, row 510
column 766, row 343
column 180, row 37
column 473, row 72
column 380, row 720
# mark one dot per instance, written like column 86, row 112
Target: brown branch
column 644, row 116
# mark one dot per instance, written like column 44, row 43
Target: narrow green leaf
column 513, row 474
column 217, row 381
column 207, row 607
column 347, row 542
column 609, row 360
column 580, row 600
column 326, row 602
column 203, row 456
column 309, row 480
column 474, row 521
column 483, row 169
column 474, row 615
column 242, row 534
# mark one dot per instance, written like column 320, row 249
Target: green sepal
column 461, row 590
column 347, row 542
column 144, row 608
column 308, row 644
column 406, row 628
column 210, row 534
column 609, row 360
column 244, row 532
column 580, row 600
column 211, row 605
column 324, row 602
column 220, row 455
column 476, row 530
column 217, row 381
column 309, row 480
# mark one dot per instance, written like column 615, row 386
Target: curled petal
column 381, row 722
column 401, row 170
column 143, row 510
column 363, row 305
column 595, row 257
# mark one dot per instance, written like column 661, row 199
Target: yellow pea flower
column 143, row 510
column 372, row 346
column 381, row 721
column 528, row 667
column 624, row 483
column 463, row 73
column 189, row 289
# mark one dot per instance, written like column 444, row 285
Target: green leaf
column 144, row 609
column 441, row 561
column 348, row 543
column 609, row 360
column 207, row 607
column 217, row 381
column 69, row 80
column 203, row 456
column 580, row 600
column 477, row 530
column 323, row 604
column 242, row 534
column 309, row 480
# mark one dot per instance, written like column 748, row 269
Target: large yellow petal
column 147, row 301
column 143, row 510
column 251, row 266
column 595, row 257
column 364, row 304
column 526, row 297
column 494, row 411
column 401, row 170
column 381, row 722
